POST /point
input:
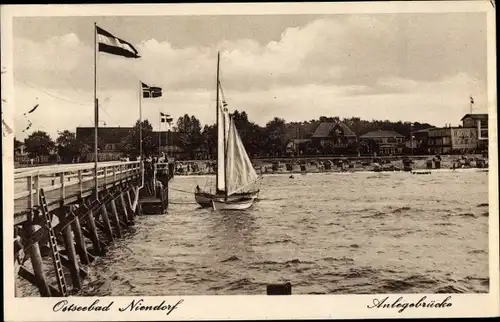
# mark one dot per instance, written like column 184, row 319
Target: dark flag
column 165, row 118
column 114, row 45
column 151, row 91
column 471, row 100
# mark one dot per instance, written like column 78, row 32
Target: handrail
column 67, row 168
column 52, row 166
column 64, row 179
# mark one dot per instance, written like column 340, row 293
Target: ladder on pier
column 61, row 282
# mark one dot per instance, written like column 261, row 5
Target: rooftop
column 476, row 116
column 382, row 134
column 325, row 128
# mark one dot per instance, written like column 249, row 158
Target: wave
column 288, row 262
column 451, row 289
column 281, row 241
column 297, row 261
column 401, row 209
column 240, row 283
column 378, row 214
column 478, row 251
column 483, row 205
column 467, row 214
column 395, row 286
column 230, row 259
column 341, row 259
column 359, row 272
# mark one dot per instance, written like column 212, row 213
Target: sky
column 409, row 67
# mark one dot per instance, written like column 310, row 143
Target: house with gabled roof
column 334, row 138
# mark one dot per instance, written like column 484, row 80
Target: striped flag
column 165, row 118
column 114, row 45
column 151, row 91
column 472, row 100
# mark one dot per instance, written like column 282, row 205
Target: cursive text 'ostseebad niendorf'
column 401, row 304
column 97, row 306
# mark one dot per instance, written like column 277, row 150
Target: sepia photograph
column 247, row 153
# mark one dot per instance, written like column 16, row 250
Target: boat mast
column 225, row 159
column 217, row 125
column 224, row 141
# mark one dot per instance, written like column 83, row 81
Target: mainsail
column 240, row 172
column 222, row 136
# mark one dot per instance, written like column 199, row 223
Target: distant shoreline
column 357, row 171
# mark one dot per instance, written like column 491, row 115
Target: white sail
column 221, row 179
column 240, row 172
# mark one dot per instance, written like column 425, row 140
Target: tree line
column 195, row 140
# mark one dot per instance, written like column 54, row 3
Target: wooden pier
column 58, row 213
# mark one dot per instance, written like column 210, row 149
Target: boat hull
column 205, row 199
column 238, row 204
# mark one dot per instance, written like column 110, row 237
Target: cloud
column 350, row 50
column 372, row 66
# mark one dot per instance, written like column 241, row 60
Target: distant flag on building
column 151, row 91
column 166, row 118
column 114, row 45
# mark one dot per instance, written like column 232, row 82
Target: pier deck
column 57, row 212
column 65, row 184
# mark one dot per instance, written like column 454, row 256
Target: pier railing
column 64, row 184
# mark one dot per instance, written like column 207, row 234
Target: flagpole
column 166, row 139
column 140, row 120
column 96, row 114
column 159, row 134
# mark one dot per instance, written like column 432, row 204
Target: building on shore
column 334, row 138
column 470, row 136
column 111, row 140
column 382, row 142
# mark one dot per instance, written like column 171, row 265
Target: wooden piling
column 107, row 224
column 36, row 262
column 130, row 205
column 81, row 248
column 73, row 261
column 166, row 194
column 125, row 212
column 93, row 234
column 116, row 219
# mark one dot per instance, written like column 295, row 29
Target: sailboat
column 235, row 176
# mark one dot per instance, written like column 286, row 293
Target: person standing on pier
column 149, row 175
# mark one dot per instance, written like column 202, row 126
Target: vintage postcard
column 250, row 161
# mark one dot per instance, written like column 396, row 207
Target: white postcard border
column 249, row 307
